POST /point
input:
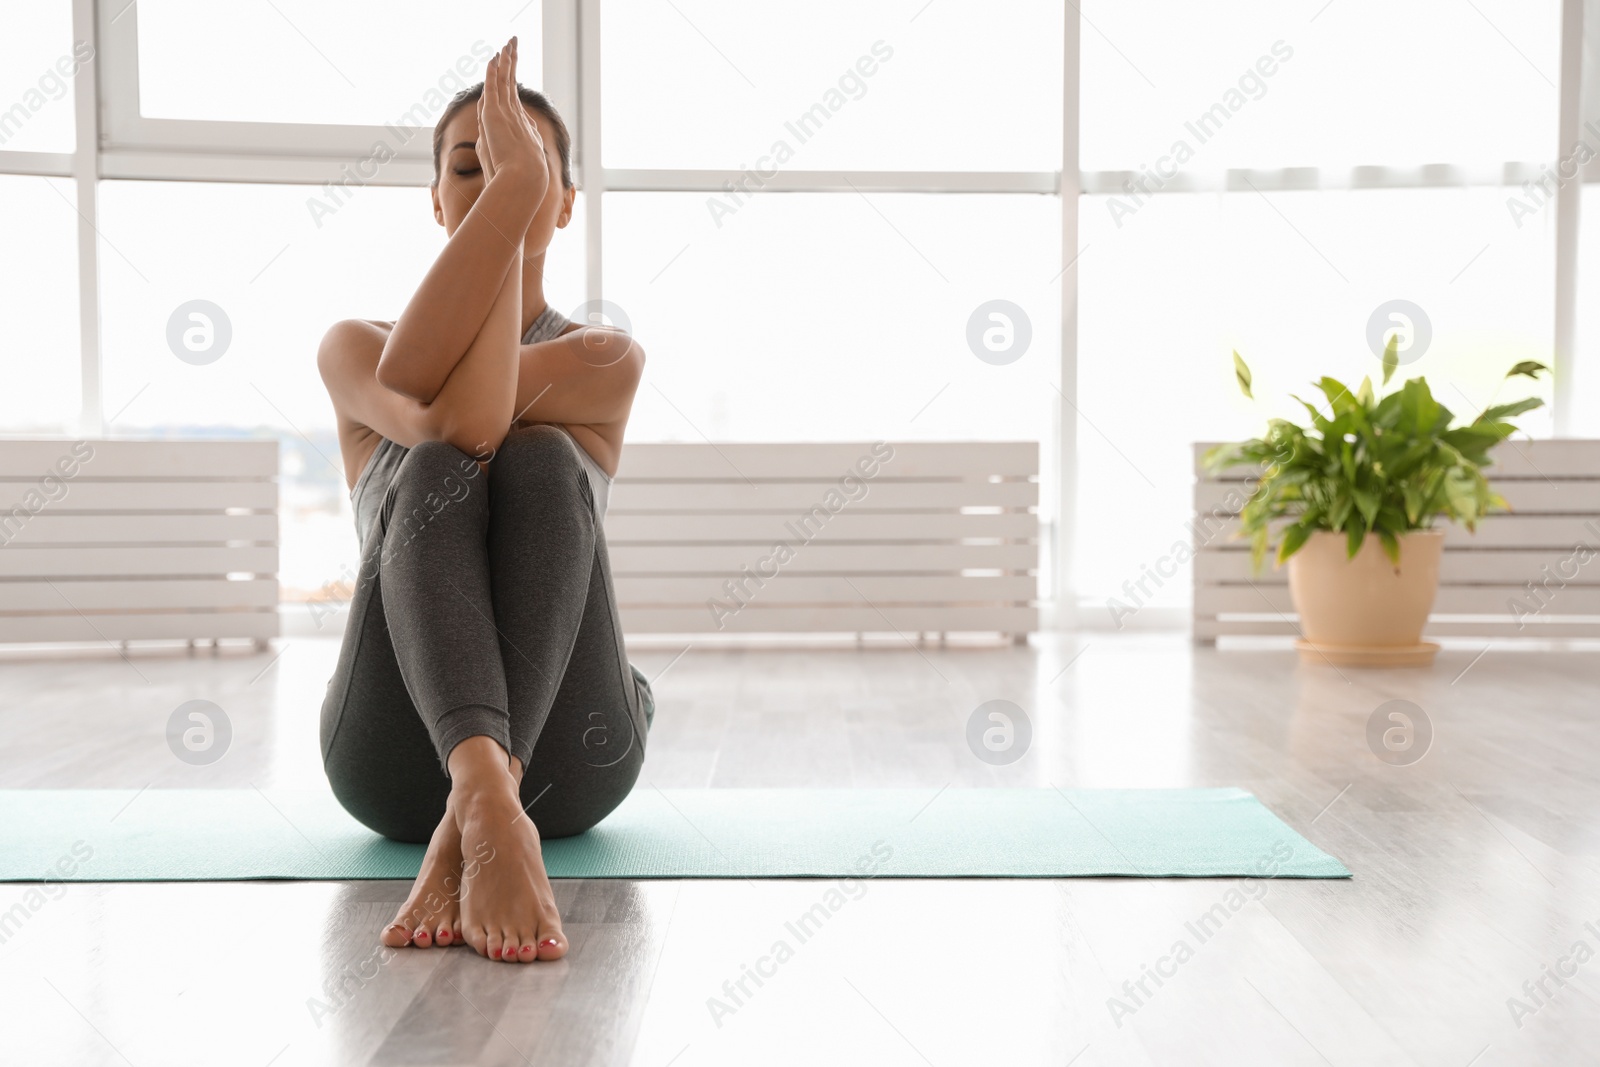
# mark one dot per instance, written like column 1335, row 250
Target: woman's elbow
column 632, row 370
column 393, row 378
column 477, row 437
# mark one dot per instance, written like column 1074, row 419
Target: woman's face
column 461, row 180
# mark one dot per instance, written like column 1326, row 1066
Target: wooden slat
column 50, row 528
column 1547, row 457
column 790, row 588
column 1501, row 567
column 87, row 494
column 1534, row 497
column 1451, row 599
column 757, row 619
column 821, row 526
column 1494, row 532
column 1553, row 627
column 738, row 461
column 187, row 458
column 118, row 562
column 1510, row 567
column 872, row 495
column 148, row 594
column 139, row 627
column 726, row 560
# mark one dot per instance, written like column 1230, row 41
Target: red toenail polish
column 551, row 942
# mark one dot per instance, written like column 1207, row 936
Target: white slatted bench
column 1534, row 572
column 117, row 540
column 940, row 537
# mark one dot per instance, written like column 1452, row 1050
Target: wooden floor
column 1477, row 870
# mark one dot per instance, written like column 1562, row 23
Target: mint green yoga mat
column 160, row 835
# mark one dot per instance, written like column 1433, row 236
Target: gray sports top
column 367, row 496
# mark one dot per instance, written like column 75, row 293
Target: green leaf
column 1340, row 511
column 1219, row 456
column 1258, row 548
column 1527, row 369
column 1391, row 357
column 1419, row 409
column 1318, row 419
column 1391, row 546
column 1241, row 373
column 1293, row 538
column 1364, row 394
column 1501, row 411
column 1357, row 535
column 1413, row 499
column 1367, row 502
column 1338, row 395
column 1391, row 518
column 1462, row 500
column 1387, row 414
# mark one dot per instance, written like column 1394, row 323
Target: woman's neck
column 533, row 301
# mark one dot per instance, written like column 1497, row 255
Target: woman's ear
column 568, row 196
column 438, row 209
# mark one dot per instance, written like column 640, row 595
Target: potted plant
column 1352, row 499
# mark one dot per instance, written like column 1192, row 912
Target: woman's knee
column 437, row 468
column 401, row 810
column 541, row 455
column 434, row 480
column 585, row 800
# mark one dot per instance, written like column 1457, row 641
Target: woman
column 483, row 688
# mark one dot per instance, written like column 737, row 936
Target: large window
column 807, row 214
column 39, row 282
column 38, row 64
column 316, row 62
column 827, row 316
column 1355, row 83
column 843, row 85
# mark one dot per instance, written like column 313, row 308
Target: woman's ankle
column 479, row 767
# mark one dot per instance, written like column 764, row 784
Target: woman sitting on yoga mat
column 483, row 698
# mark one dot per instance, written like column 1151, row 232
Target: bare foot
column 508, row 910
column 432, row 913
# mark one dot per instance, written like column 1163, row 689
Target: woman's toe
column 396, row 935
column 495, row 941
column 442, row 936
column 421, row 937
column 552, row 943
column 509, row 945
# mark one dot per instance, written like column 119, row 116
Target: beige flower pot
column 1366, row 611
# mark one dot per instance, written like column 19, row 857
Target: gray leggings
column 485, row 605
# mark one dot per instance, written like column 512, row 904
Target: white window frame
column 114, row 141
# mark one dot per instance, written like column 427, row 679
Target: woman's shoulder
column 352, row 336
column 362, row 324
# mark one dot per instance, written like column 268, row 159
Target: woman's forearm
column 450, row 307
column 473, row 408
